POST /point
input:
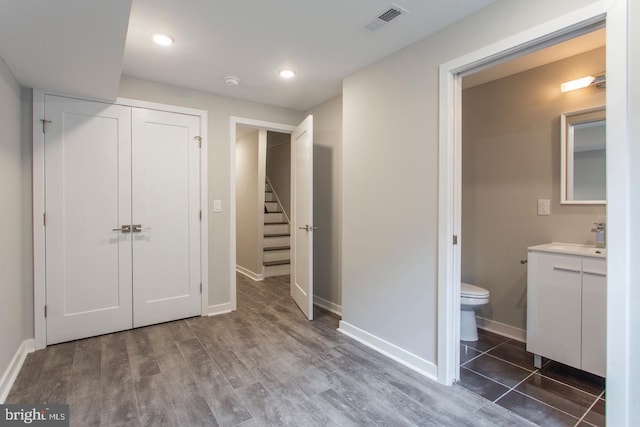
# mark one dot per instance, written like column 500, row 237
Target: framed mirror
column 583, row 157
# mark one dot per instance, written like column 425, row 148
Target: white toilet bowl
column 471, row 296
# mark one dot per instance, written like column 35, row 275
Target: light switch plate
column 544, row 207
column 217, row 205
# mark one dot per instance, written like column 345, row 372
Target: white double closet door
column 122, row 198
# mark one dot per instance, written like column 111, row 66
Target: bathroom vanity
column 566, row 305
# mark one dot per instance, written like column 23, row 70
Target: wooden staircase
column 277, row 237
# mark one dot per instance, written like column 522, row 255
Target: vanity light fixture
column 286, row 73
column 599, row 81
column 163, row 39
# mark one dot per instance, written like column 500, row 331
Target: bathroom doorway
column 495, row 215
column 512, row 161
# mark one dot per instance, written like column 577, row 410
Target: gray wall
column 16, row 263
column 390, row 176
column 220, row 110
column 510, row 158
column 327, row 199
column 279, row 167
column 247, row 238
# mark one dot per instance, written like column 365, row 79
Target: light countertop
column 571, row 249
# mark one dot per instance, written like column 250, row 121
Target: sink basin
column 571, row 249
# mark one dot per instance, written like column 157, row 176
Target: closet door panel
column 166, row 206
column 88, row 193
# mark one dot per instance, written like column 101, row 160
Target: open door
column 302, row 216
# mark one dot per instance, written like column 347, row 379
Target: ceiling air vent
column 390, row 14
column 385, row 17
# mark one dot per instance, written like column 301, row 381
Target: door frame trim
column 258, row 124
column 39, row 272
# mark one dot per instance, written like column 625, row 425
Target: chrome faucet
column 600, row 231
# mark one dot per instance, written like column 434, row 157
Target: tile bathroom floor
column 501, row 370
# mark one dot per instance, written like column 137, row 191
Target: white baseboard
column 502, row 329
column 250, row 274
column 392, row 351
column 224, row 308
column 11, row 373
column 327, row 305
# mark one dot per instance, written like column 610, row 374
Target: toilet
column 471, row 296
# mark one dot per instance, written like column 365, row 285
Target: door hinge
column 45, row 310
column 44, row 219
column 44, row 123
column 455, row 239
column 201, row 215
column 200, row 287
column 199, row 138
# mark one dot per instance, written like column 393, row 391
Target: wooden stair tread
column 271, row 263
column 276, row 223
column 277, row 248
column 277, row 235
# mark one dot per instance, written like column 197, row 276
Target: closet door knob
column 124, row 229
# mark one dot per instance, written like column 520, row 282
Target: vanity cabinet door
column 554, row 303
column 594, row 316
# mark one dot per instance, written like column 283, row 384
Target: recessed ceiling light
column 163, row 39
column 286, row 73
column 232, row 81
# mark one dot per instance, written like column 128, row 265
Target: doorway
column 511, row 155
column 263, row 203
column 449, row 186
column 451, row 180
column 301, row 205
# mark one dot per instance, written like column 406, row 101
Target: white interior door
column 166, row 216
column 87, row 196
column 302, row 216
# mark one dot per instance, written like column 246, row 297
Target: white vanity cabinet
column 594, row 315
column 566, row 305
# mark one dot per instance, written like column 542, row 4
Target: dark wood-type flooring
column 264, row 364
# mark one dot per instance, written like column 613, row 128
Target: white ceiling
column 68, row 46
column 253, row 39
column 76, row 46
